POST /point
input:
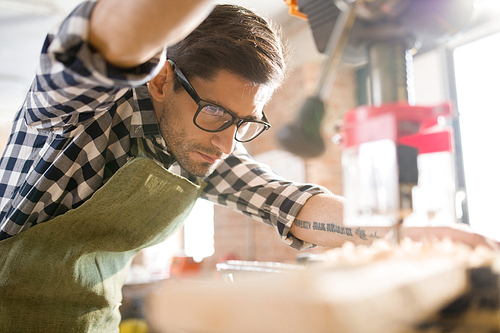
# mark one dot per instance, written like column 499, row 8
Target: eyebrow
column 231, row 111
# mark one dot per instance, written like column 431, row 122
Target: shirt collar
column 145, row 125
column 143, row 122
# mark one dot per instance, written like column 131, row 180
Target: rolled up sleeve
column 255, row 190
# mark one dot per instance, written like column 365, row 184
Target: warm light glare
column 477, row 75
column 491, row 5
column 199, row 231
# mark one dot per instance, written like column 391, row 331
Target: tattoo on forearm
column 302, row 224
column 361, row 233
column 329, row 227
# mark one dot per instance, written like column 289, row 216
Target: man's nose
column 224, row 140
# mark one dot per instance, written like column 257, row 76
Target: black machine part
column 302, row 137
column 383, row 35
column 430, row 22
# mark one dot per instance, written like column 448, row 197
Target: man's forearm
column 320, row 222
column 130, row 32
column 357, row 235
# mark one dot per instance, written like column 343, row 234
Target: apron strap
column 140, row 147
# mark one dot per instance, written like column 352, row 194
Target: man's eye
column 213, row 111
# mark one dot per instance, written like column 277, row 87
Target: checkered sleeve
column 71, row 133
column 254, row 189
column 73, row 82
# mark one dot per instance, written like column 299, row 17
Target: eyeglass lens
column 213, row 118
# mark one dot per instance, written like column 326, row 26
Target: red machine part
column 409, row 125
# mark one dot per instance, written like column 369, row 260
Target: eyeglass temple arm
column 264, row 119
column 184, row 82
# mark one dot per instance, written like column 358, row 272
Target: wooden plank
column 380, row 297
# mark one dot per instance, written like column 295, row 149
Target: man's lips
column 209, row 158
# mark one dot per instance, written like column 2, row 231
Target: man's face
column 197, row 151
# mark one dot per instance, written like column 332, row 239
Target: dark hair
column 235, row 39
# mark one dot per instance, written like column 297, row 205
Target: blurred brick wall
column 245, row 239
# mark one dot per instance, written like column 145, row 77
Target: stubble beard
column 181, row 147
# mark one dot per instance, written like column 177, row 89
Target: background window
column 477, row 73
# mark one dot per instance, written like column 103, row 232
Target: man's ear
column 159, row 85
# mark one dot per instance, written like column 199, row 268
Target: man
column 82, row 118
column 78, row 199
column 105, row 95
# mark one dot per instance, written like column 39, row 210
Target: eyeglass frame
column 202, row 103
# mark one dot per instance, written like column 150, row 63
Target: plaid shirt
column 79, row 125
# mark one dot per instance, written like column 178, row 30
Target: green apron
column 66, row 275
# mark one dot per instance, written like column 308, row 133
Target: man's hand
column 128, row 33
column 458, row 233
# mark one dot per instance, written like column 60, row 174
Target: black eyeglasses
column 213, row 118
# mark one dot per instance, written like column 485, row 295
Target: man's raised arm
column 128, row 33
